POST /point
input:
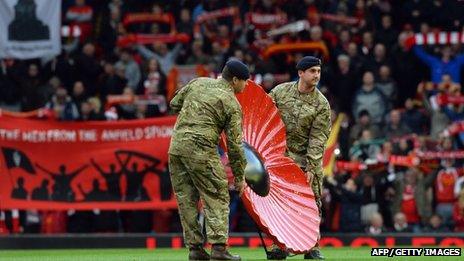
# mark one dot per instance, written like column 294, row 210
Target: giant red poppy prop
column 282, row 204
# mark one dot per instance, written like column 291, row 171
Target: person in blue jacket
column 445, row 65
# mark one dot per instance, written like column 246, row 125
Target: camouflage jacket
column 207, row 107
column 307, row 121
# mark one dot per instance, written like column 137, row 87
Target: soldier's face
column 311, row 76
column 239, row 85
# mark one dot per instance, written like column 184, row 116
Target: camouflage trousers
column 205, row 180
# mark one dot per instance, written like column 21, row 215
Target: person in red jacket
column 444, row 190
column 81, row 14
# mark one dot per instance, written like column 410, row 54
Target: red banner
column 435, row 38
column 444, row 99
column 229, row 11
column 42, row 113
column 457, row 154
column 85, row 165
column 130, row 39
column 455, row 128
column 266, row 21
column 347, row 20
column 134, row 18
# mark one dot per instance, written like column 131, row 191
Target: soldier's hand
column 240, row 186
column 309, row 177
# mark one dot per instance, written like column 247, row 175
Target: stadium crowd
column 391, row 92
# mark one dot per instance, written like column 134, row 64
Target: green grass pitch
column 344, row 253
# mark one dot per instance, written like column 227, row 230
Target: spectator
column 350, row 204
column 46, row 91
column 435, row 225
column 411, row 196
column 78, row 94
column 385, row 153
column 400, row 224
column 413, row 118
column 141, row 111
column 404, row 63
column 446, row 177
column 364, row 123
column 81, row 15
column 387, row 35
column 315, row 33
column 110, row 82
column 198, row 56
column 396, row 127
column 366, row 147
column 80, row 12
column 128, row 111
column 218, row 54
column 154, row 81
column 88, row 68
column 367, row 44
column 63, row 106
column 10, row 96
column 185, row 23
column 448, row 85
column 30, row 98
column 96, row 106
column 370, row 98
column 342, row 83
column 455, row 112
column 165, row 57
column 111, row 28
column 375, row 225
column 87, row 113
column 387, row 85
column 445, row 65
column 458, row 213
column 131, row 69
column 64, row 67
column 459, row 186
column 369, row 198
column 343, row 43
column 356, row 60
column 438, row 119
column 155, row 91
column 268, row 82
column 379, row 58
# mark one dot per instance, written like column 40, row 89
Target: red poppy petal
column 288, row 214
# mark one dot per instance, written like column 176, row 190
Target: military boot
column 219, row 252
column 276, row 254
column 198, row 253
column 314, row 254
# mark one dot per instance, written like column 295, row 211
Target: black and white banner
column 30, row 28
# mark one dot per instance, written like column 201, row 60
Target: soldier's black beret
column 238, row 69
column 308, row 62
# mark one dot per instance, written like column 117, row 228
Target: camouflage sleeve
column 233, row 130
column 318, row 136
column 274, row 93
column 178, row 100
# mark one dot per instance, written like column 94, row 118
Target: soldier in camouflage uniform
column 206, row 108
column 306, row 114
